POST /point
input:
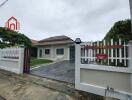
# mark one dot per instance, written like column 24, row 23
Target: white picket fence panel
column 98, row 65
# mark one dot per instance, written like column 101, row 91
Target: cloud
column 87, row 19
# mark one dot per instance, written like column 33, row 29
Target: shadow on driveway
column 62, row 71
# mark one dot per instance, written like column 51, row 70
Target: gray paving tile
column 63, row 71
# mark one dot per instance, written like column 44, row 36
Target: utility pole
column 2, row 4
column 130, row 1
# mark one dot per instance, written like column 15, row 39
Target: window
column 40, row 53
column 47, row 51
column 60, row 51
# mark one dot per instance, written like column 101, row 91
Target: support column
column 77, row 65
column 38, row 50
column 130, row 55
column 130, row 62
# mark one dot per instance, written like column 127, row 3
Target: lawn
column 35, row 62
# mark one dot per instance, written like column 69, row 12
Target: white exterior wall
column 53, row 55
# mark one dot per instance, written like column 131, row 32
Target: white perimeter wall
column 95, row 78
column 118, row 81
column 9, row 64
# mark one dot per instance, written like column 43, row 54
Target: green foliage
column 121, row 29
column 12, row 38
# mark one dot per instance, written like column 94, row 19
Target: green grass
column 39, row 61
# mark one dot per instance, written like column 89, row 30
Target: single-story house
column 56, row 48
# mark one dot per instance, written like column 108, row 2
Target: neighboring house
column 34, row 41
column 56, row 48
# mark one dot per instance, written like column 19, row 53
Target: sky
column 89, row 20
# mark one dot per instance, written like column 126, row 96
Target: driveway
column 62, row 71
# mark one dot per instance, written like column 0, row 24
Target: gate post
column 21, row 59
column 77, row 62
column 26, row 67
column 130, row 55
column 130, row 61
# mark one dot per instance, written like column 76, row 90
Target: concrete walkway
column 62, row 71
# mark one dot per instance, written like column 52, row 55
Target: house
column 56, row 48
column 34, row 41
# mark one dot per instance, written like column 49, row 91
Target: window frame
column 47, row 53
column 59, row 52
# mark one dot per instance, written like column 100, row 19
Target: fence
column 104, row 68
column 106, row 53
column 11, row 59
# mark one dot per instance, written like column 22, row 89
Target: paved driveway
column 63, row 71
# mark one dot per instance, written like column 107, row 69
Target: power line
column 2, row 4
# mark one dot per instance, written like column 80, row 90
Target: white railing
column 105, row 53
column 11, row 59
column 99, row 65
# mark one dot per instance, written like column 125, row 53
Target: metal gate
column 26, row 65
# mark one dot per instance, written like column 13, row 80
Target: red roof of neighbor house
column 55, row 40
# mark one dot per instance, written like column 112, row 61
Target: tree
column 121, row 29
column 12, row 38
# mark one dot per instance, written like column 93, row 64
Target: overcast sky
column 87, row 19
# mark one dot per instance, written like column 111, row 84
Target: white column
column 21, row 60
column 77, row 65
column 130, row 55
column 68, row 54
column 130, row 61
column 38, row 50
column 52, row 51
